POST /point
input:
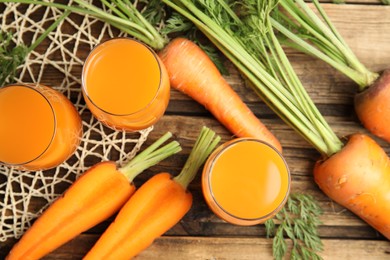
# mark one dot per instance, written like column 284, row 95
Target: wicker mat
column 57, row 62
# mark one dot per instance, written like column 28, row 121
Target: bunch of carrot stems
column 313, row 33
column 252, row 46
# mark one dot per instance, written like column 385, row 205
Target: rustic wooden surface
column 365, row 24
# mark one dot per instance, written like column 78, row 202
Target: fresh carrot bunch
column 158, row 205
column 95, row 196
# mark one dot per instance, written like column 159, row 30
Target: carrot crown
column 150, row 156
column 203, row 146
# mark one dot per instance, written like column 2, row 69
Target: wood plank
column 226, row 248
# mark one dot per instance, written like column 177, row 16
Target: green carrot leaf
column 11, row 57
column 152, row 155
column 299, row 221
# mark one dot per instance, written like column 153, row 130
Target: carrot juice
column 125, row 84
column 40, row 128
column 245, row 181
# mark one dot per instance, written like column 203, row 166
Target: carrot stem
column 150, row 156
column 135, row 26
column 316, row 35
column 204, row 145
column 48, row 30
column 273, row 78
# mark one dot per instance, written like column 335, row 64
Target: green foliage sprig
column 299, row 221
column 12, row 56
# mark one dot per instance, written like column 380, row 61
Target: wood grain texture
column 213, row 248
column 202, row 235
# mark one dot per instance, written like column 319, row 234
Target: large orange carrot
column 358, row 178
column 192, row 72
column 158, row 205
column 92, row 198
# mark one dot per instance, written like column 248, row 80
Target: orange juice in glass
column 245, row 181
column 40, row 128
column 125, row 85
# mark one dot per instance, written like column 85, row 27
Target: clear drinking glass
column 40, row 128
column 245, row 181
column 125, row 84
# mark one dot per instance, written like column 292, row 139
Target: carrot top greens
column 299, row 220
column 204, row 145
column 249, row 42
column 123, row 15
column 152, row 155
column 315, row 34
column 11, row 57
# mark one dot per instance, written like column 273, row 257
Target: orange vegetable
column 95, row 196
column 157, row 206
column 358, row 178
column 192, row 72
column 372, row 106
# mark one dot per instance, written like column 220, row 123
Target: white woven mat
column 23, row 195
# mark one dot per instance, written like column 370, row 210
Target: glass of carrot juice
column 245, row 181
column 125, row 84
column 40, row 128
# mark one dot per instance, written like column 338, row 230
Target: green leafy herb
column 11, row 57
column 299, row 221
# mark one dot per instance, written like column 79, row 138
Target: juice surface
column 121, row 76
column 27, row 124
column 249, row 180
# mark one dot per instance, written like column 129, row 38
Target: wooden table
column 365, row 24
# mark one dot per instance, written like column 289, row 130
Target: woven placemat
column 57, row 62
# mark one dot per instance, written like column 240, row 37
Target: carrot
column 92, row 198
column 192, row 72
column 157, row 206
column 358, row 178
column 372, row 106
column 313, row 33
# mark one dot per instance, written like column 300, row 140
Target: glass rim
column 209, row 169
column 34, row 87
column 83, row 76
